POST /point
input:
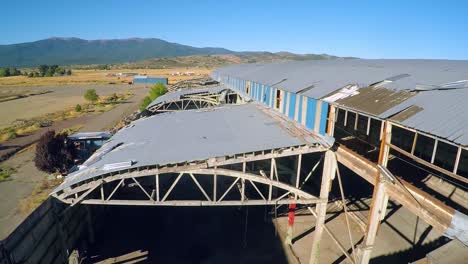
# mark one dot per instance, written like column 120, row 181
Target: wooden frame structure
column 186, row 103
column 410, row 154
column 148, row 179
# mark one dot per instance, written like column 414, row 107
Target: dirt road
column 22, row 183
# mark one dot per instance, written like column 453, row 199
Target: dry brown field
column 89, row 77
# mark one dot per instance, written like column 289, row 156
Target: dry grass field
column 90, row 77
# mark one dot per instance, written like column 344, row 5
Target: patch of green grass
column 6, row 172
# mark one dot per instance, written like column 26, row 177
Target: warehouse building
column 143, row 79
column 405, row 117
column 423, row 100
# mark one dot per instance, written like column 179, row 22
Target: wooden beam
column 329, row 170
column 428, row 208
column 430, row 165
column 373, row 221
column 197, row 202
column 457, row 160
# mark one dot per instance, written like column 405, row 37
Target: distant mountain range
column 75, row 51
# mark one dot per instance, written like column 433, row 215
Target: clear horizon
column 396, row 30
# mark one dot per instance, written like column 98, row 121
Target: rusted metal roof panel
column 374, row 100
column 444, row 114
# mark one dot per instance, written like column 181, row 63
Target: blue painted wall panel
column 310, row 117
column 292, row 105
column 267, row 95
column 284, row 99
column 323, row 118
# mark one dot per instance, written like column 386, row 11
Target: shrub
column 78, row 108
column 157, row 90
column 54, row 153
column 114, row 97
column 6, row 172
column 11, row 133
column 91, row 95
column 146, row 101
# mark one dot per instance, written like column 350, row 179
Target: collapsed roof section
column 177, row 95
column 190, row 136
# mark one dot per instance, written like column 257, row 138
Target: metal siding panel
column 292, row 105
column 299, row 111
column 310, row 117
column 323, row 118
column 259, row 93
column 260, row 96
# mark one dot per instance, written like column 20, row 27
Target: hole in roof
column 397, row 77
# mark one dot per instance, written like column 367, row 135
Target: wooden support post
column 244, row 165
column 379, row 199
column 270, row 189
column 157, row 186
column 331, row 120
column 215, row 185
column 376, row 210
column 328, row 174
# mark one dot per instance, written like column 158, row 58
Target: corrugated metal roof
column 328, row 75
column 444, row 113
column 186, row 136
column 173, row 96
column 438, row 112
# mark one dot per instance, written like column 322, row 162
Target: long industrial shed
column 409, row 111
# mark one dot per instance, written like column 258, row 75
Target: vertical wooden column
column 331, row 120
column 328, row 174
column 375, row 215
column 379, row 199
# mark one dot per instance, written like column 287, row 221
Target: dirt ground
column 27, row 178
column 93, row 77
column 402, row 237
column 60, row 98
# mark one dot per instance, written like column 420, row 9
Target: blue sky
column 368, row 29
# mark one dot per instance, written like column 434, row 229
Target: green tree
column 50, row 72
column 4, row 72
column 146, row 101
column 14, row 71
column 78, row 108
column 43, row 69
column 68, row 72
column 157, row 90
column 91, row 95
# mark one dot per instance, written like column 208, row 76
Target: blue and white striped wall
column 310, row 112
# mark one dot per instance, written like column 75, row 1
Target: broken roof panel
column 375, row 100
column 173, row 96
column 185, row 136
